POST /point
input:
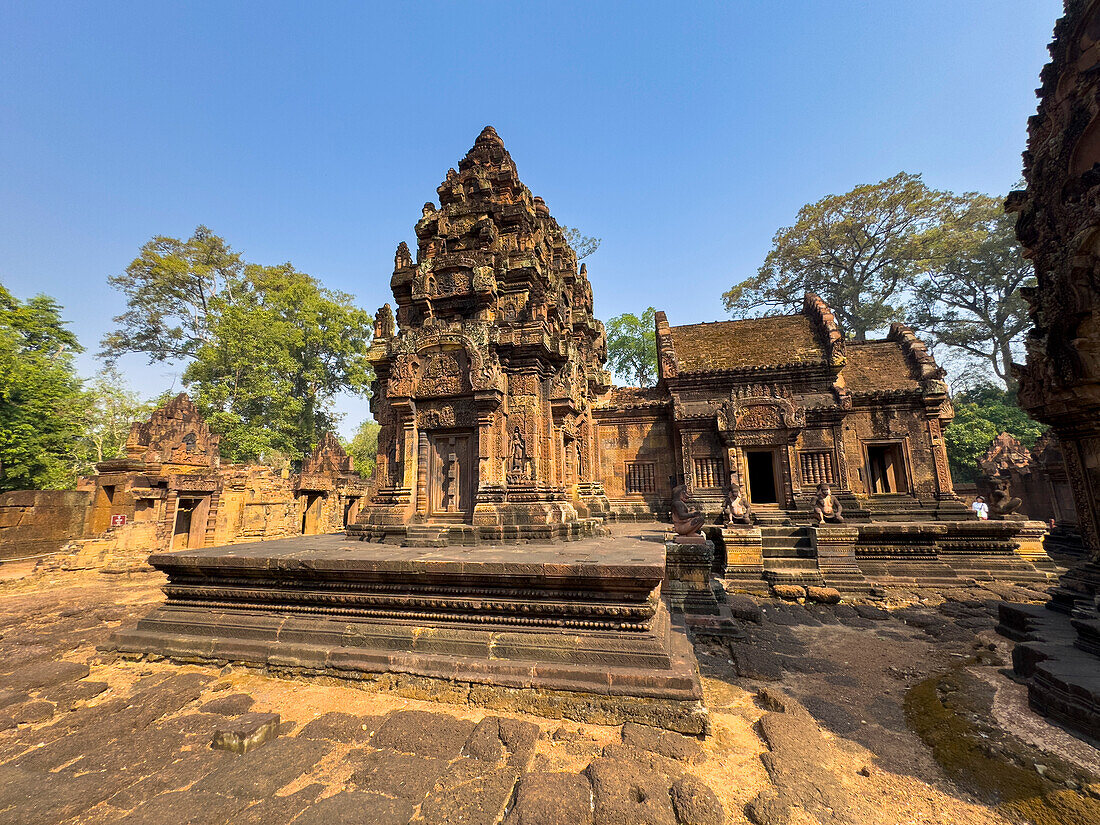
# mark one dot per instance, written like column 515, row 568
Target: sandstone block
column 823, row 595
column 789, row 591
column 246, row 733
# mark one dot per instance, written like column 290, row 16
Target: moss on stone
column 941, row 710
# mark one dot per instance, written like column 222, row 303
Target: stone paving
column 806, row 710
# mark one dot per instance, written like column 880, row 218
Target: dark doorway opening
column 886, row 468
column 185, row 512
column 761, row 466
column 311, row 514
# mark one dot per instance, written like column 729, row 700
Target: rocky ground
column 821, row 714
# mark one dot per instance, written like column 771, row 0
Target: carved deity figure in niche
column 518, row 460
column 686, row 520
column 737, row 511
column 1000, row 502
column 827, row 507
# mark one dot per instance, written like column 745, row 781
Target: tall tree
column 40, row 395
column 267, row 347
column 981, row 414
column 632, row 347
column 363, row 448
column 109, row 408
column 969, row 297
column 859, row 251
column 171, row 289
column 581, row 243
column 276, row 358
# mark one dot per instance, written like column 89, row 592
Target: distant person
column 980, row 507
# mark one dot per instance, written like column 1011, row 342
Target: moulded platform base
column 576, row 630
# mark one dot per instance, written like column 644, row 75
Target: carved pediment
column 756, row 414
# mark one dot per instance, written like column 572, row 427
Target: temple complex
column 171, row 491
column 789, row 461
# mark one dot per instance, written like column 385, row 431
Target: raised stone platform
column 575, row 630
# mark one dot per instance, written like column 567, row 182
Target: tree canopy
column 363, row 448
column 969, row 299
column 581, row 243
column 632, row 347
column 981, row 414
column 859, row 251
column 267, row 347
column 40, row 395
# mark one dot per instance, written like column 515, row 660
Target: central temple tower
column 485, row 380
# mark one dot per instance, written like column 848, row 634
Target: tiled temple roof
column 878, row 366
column 637, row 396
column 745, row 344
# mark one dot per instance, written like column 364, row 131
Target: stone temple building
column 1059, row 224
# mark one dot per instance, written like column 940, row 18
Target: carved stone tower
column 484, row 386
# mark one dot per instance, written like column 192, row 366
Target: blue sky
column 682, row 134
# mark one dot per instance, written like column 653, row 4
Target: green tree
column 859, row 251
column 632, row 347
column 363, row 448
column 969, row 298
column 40, row 395
column 268, row 348
column 109, row 408
column 981, row 414
column 172, row 288
column 581, row 243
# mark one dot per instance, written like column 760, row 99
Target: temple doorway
column 189, row 528
column 761, row 472
column 311, row 513
column 886, row 468
column 450, row 477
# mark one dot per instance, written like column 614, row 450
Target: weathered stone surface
column 422, row 733
column 396, row 774
column 695, row 803
column 869, row 611
column 233, row 705
column 358, row 808
column 341, row 727
column 666, row 743
column 644, row 760
column 246, row 733
column 543, row 798
column 43, row 674
column 744, row 607
column 625, row 795
column 32, row 712
column 789, row 591
column 260, row 774
column 755, row 663
column 279, row 810
column 470, row 792
column 501, row 740
column 823, row 595
column 185, row 808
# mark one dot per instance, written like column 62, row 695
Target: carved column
column 945, row 490
column 422, row 475
column 686, row 455
column 843, row 482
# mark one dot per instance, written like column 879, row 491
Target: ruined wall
column 638, row 446
column 37, row 522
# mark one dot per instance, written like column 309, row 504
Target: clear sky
column 682, row 134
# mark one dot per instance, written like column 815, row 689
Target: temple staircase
column 789, row 556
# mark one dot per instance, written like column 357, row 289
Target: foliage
column 40, row 395
column 363, row 448
column 969, row 297
column 858, row 251
column 269, row 347
column 582, row 244
column 109, row 408
column 981, row 415
column 632, row 347
column 172, row 289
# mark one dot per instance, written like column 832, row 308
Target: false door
column 451, row 490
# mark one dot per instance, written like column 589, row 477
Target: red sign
column 118, row 520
